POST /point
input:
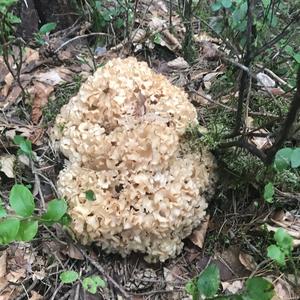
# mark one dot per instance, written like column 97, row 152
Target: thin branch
column 81, row 37
column 288, row 123
column 278, row 37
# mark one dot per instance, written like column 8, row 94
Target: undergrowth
column 62, row 96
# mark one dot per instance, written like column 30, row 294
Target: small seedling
column 283, row 247
column 206, row 286
column 90, row 283
column 25, row 146
column 41, row 35
column 269, row 192
column 23, row 224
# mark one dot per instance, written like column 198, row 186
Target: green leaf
column 2, row 210
column 65, row 220
column 296, row 57
column 99, row 281
column 226, row 3
column 269, row 192
column 275, row 253
column 284, row 241
column 191, row 287
column 216, row 6
column 295, row 158
column 68, row 276
column 56, row 210
column 283, row 159
column 289, row 50
column 89, row 285
column 7, row 3
column 209, row 280
column 266, row 3
column 24, row 144
column 8, row 230
column 21, row 200
column 90, row 195
column 46, row 28
column 27, row 230
column 258, row 288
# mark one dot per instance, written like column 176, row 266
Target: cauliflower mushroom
column 122, row 134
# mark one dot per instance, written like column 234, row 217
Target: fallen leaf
column 40, row 93
column 7, row 162
column 3, row 258
column 199, row 233
column 247, row 261
column 261, row 142
column 264, row 80
column 73, row 252
column 36, row 296
column 172, row 277
column 178, row 63
column 55, row 76
column 232, row 287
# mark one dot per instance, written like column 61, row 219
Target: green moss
column 62, row 96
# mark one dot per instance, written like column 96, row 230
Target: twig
column 251, row 113
column 81, row 37
column 244, row 86
column 278, row 37
column 102, row 272
column 276, row 77
column 288, row 123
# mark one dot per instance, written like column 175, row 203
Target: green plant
column 62, row 96
column 269, row 192
column 116, row 14
column 206, row 286
column 90, row 283
column 283, row 247
column 23, row 223
column 7, row 23
column 286, row 163
column 41, row 36
column 25, row 146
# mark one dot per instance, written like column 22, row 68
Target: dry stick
column 102, row 272
column 251, row 113
column 278, row 37
column 247, row 61
column 288, row 123
column 81, row 37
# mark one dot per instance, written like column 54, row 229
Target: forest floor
column 239, row 225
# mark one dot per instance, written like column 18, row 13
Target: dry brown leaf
column 171, row 41
column 55, row 76
column 41, row 93
column 3, row 259
column 178, row 63
column 35, row 296
column 7, row 162
column 73, row 252
column 247, row 261
column 199, row 233
column 261, row 142
column 232, row 287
